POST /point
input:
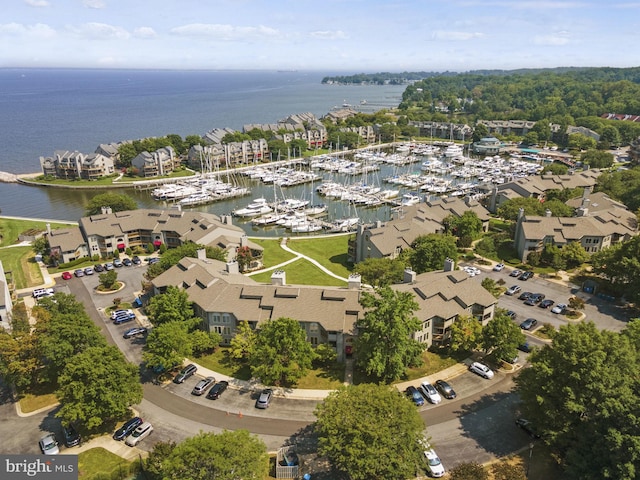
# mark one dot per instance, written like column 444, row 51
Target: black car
column 217, row 390
column 525, row 276
column 71, row 435
column 534, row 299
column 127, row 262
column 528, row 427
column 511, row 314
column 445, row 389
column 136, row 260
column 128, row 427
column 525, row 296
column 546, row 303
column 98, row 268
column 525, row 347
column 528, row 324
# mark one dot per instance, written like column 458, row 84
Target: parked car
column 66, row 275
column 528, row 427
column 414, row 395
column 185, row 373
column 534, row 299
column 136, row 260
column 528, row 324
column 153, row 260
column 202, row 386
column 512, row 315
column 559, row 308
column 217, row 390
column 71, row 436
column 122, row 311
column 445, row 389
column 79, row 272
column 525, row 295
column 434, row 465
column 49, row 444
column 128, row 427
column 525, row 347
column 264, row 399
column 98, row 267
column 88, row 271
column 134, row 332
column 513, row 289
column 525, row 276
column 139, row 434
column 42, row 292
column 546, row 303
column 515, row 273
column 108, row 266
column 430, row 393
column 481, row 369
column 127, row 262
column 498, row 267
column 118, row 263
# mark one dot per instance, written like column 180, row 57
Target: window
column 216, row 329
column 313, row 327
column 314, row 340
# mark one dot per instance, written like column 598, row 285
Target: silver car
column 49, row 445
column 481, row 369
column 139, row 434
column 203, row 385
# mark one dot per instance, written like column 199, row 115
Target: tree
column 501, row 336
column 380, row 272
column 620, row 264
column 582, row 394
column 224, row 456
column 597, row 159
column 466, row 334
column 99, row 384
column 282, row 353
column 117, row 203
column 468, row 471
column 508, row 471
column 159, row 453
column 19, row 358
column 109, row 279
column 556, row 169
column 202, row 342
column 466, row 225
column 40, row 245
column 430, row 251
column 574, row 254
column 490, row 285
column 244, row 257
column 369, row 431
column 243, row 343
column 167, row 345
column 171, row 306
column 326, row 355
column 385, row 342
column 509, row 210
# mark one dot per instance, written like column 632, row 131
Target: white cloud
column 329, row 34
column 38, row 30
column 559, row 38
column 37, row 3
column 93, row 3
column 144, row 32
column 455, row 36
column 224, row 32
column 100, row 30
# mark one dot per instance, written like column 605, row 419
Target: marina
column 335, row 192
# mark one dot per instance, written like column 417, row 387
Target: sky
column 350, row 36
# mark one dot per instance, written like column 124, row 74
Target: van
column 140, row 433
column 42, row 292
column 185, row 373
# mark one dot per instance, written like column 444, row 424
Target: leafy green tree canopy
column 385, row 342
column 466, row 334
column 117, row 203
column 380, row 272
column 171, row 306
column 363, row 439
column 430, row 251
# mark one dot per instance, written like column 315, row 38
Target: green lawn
column 330, row 252
column 273, row 253
column 105, row 181
column 10, row 229
column 100, row 461
column 220, row 362
column 20, row 266
column 37, row 398
column 302, row 272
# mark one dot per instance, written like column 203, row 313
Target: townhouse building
column 77, row 165
column 153, row 164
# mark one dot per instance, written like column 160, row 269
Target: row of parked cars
column 133, row 431
column 99, row 268
column 433, row 394
column 208, row 383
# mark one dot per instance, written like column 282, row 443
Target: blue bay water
column 42, row 110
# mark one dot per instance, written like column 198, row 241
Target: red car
column 67, row 275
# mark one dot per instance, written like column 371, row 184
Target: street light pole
column 530, row 454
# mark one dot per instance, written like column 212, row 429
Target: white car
column 434, row 465
column 140, row 433
column 481, row 369
column 499, row 267
column 430, row 393
column 559, row 308
column 472, row 271
column 513, row 289
column 49, row 444
column 117, row 313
